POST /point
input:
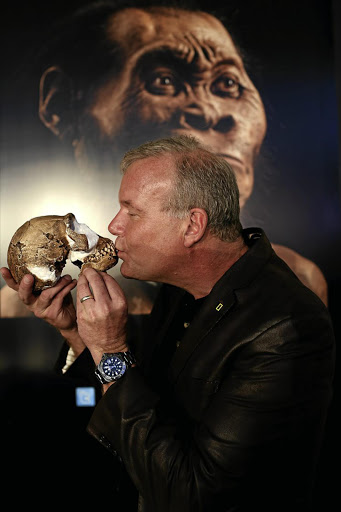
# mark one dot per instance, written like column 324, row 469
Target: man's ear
column 56, row 99
column 196, row 226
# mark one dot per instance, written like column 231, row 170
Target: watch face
column 113, row 367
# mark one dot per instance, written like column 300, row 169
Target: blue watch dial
column 114, row 367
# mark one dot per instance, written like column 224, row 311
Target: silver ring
column 86, row 298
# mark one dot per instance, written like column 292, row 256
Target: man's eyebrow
column 127, row 202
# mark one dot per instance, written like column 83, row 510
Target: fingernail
column 68, row 277
column 26, row 279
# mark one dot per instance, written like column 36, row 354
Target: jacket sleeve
column 269, row 400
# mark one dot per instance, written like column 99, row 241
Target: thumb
column 26, row 289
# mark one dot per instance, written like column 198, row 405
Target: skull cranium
column 42, row 246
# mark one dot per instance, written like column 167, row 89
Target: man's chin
column 134, row 275
column 125, row 272
column 128, row 273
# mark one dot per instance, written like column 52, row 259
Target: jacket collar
column 222, row 297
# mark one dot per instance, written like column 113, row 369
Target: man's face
column 149, row 241
column 180, row 73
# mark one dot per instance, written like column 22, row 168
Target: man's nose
column 115, row 227
column 202, row 114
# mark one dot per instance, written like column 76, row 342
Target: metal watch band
column 128, row 357
column 100, row 377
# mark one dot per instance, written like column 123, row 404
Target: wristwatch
column 113, row 366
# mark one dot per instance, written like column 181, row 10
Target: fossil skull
column 42, row 246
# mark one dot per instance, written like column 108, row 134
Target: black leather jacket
column 250, row 386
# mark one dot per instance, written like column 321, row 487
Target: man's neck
column 206, row 263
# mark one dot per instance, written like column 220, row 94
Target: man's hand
column 54, row 305
column 101, row 320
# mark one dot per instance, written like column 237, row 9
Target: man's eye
column 163, row 84
column 227, row 86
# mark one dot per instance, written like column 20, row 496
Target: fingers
column 113, row 287
column 91, row 282
column 44, row 299
column 83, row 288
column 58, row 291
column 52, row 299
column 11, row 283
column 64, row 297
column 96, row 282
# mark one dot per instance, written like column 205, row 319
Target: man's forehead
column 134, row 28
column 146, row 178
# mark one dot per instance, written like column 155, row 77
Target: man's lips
column 119, row 253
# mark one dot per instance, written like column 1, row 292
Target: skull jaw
column 103, row 258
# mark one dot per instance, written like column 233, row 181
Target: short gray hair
column 203, row 180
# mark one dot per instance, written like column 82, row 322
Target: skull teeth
column 107, row 251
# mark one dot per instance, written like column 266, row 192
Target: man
column 150, row 72
column 223, row 406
